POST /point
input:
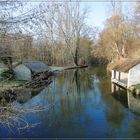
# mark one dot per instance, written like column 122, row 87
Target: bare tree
column 71, row 22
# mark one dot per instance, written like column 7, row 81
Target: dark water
column 79, row 103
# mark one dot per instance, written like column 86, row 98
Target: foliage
column 57, row 33
column 120, row 36
column 137, row 86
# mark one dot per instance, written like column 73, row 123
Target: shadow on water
column 22, row 96
column 78, row 103
column 132, row 102
column 120, row 94
column 126, row 98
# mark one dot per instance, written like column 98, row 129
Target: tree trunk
column 76, row 56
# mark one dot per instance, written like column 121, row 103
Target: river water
column 78, row 103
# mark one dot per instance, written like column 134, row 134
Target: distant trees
column 13, row 41
column 136, row 24
column 71, row 27
column 22, row 48
column 137, row 18
column 57, row 32
column 64, row 29
column 119, row 35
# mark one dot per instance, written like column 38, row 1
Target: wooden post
column 119, row 78
column 113, row 88
column 114, row 74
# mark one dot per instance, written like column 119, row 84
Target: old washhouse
column 126, row 72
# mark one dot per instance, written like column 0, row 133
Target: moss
column 137, row 86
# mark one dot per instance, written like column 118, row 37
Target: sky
column 98, row 9
column 98, row 12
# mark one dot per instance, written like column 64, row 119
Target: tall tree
column 71, row 27
column 118, row 34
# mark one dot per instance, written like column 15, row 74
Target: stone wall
column 134, row 75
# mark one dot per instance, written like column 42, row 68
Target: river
column 78, row 103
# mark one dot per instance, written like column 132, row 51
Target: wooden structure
column 126, row 72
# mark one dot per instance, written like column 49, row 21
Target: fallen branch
column 75, row 67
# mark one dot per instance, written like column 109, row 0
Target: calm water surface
column 78, row 103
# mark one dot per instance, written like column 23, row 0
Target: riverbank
column 35, row 83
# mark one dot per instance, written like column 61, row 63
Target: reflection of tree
column 120, row 94
column 134, row 102
column 99, row 71
column 76, row 78
column 68, row 92
column 135, row 128
column 83, row 80
column 115, row 116
column 134, row 106
column 13, row 117
column 13, row 112
column 114, row 113
column 20, row 96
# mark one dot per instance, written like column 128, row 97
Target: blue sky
column 97, row 9
column 98, row 12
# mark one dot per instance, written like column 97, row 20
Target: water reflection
column 13, row 113
column 78, row 103
column 132, row 102
column 126, row 98
column 120, row 94
column 22, row 96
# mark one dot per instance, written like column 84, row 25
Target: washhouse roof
column 124, row 65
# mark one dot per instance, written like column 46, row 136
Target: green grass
column 137, row 86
